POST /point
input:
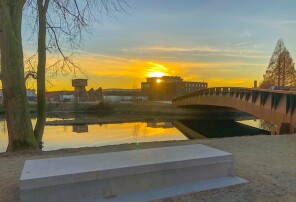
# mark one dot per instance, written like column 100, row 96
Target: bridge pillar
column 283, row 128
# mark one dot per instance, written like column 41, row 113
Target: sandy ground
column 268, row 162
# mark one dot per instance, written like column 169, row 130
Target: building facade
column 123, row 95
column 31, row 95
column 169, row 87
column 60, row 96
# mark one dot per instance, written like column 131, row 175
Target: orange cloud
column 120, row 72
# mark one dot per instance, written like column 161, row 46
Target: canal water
column 67, row 136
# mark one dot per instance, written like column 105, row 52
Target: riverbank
column 141, row 111
column 132, row 108
column 268, row 162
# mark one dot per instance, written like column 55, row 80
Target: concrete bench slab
column 108, row 175
column 176, row 190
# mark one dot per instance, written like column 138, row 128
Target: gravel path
column 268, row 162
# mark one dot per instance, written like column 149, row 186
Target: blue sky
column 226, row 43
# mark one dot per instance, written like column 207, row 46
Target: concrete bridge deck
column 274, row 106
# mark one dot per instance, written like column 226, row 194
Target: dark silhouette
column 54, row 22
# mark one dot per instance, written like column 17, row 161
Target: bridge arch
column 274, row 106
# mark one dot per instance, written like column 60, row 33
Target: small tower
column 255, row 83
column 79, row 88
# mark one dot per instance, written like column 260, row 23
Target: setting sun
column 156, row 74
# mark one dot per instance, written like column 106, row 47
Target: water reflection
column 154, row 124
column 196, row 129
column 67, row 136
column 266, row 125
column 57, row 137
column 80, row 128
column 259, row 123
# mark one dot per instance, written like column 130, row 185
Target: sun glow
column 156, row 74
column 156, row 70
column 158, row 80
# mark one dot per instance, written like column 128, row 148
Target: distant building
column 95, row 95
column 169, row 87
column 110, row 95
column 123, row 95
column 60, row 96
column 80, row 94
column 31, row 95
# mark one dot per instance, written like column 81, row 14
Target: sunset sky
column 222, row 42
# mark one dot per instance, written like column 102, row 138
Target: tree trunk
column 20, row 131
column 279, row 70
column 284, row 70
column 41, row 91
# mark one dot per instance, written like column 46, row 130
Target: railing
column 230, row 90
column 275, row 106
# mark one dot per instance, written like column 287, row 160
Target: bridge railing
column 229, row 90
column 213, row 90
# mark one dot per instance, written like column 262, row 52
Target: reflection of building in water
column 80, row 128
column 160, row 124
column 136, row 130
column 3, row 127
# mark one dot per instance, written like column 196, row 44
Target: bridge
column 274, row 106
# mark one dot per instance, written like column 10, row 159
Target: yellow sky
column 197, row 41
column 129, row 73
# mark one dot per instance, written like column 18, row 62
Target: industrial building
column 169, row 87
column 80, row 94
column 123, row 95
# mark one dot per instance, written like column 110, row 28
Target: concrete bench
column 107, row 176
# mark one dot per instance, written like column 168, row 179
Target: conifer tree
column 280, row 71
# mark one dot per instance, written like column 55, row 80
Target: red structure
column 80, row 93
column 275, row 106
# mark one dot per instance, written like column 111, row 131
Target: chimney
column 255, row 83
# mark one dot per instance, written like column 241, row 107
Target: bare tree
column 56, row 23
column 266, row 125
column 280, row 71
